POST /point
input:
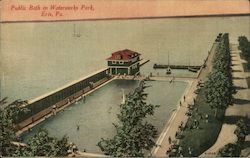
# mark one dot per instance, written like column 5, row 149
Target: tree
column 219, row 87
column 39, row 145
column 134, row 134
column 244, row 46
column 230, row 150
column 241, row 131
column 217, row 91
column 7, row 116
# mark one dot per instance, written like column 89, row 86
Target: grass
column 199, row 140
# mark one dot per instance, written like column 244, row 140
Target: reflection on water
column 39, row 57
column 95, row 117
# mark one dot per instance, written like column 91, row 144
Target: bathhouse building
column 124, row 62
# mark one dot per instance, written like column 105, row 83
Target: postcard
column 100, row 78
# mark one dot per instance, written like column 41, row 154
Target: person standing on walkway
column 84, row 98
column 169, row 140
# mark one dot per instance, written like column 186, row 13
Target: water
column 96, row 115
column 40, row 57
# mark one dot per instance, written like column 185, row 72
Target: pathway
column 158, row 78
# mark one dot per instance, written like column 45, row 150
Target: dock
column 170, row 78
column 160, row 66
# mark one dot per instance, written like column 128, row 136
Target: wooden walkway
column 158, row 78
column 160, row 66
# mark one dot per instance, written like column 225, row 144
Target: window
column 113, row 62
column 121, row 62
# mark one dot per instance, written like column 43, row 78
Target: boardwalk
column 158, row 78
column 179, row 116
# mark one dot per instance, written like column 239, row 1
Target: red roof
column 125, row 54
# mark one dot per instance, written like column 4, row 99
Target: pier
column 160, row 66
column 157, row 78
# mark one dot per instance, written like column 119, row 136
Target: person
column 195, row 122
column 84, row 99
column 169, row 140
column 77, row 127
column 180, row 149
column 189, row 151
column 184, row 97
column 180, row 103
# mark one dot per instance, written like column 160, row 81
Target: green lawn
column 199, row 140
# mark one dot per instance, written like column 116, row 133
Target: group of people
column 196, row 124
